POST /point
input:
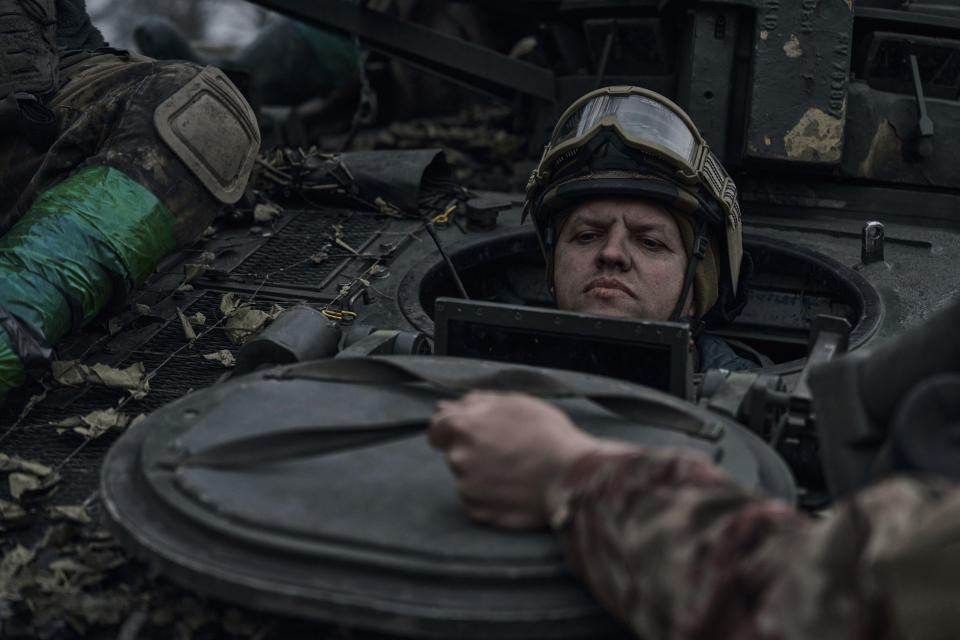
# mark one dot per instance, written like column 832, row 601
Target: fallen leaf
column 67, row 372
column 188, row 331
column 27, row 488
column 229, row 303
column 265, row 212
column 185, row 287
column 197, row 319
column 69, row 564
column 13, row 561
column 128, row 378
column 71, row 373
column 224, row 357
column 94, row 424
column 13, row 516
column 244, row 323
column 13, row 463
column 75, row 513
column 192, row 271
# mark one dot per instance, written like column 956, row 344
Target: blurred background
column 216, row 22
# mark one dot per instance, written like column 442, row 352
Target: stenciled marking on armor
column 817, row 137
column 771, row 15
column 839, row 75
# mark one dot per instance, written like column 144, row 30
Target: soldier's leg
column 147, row 154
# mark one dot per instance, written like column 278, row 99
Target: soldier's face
column 620, row 257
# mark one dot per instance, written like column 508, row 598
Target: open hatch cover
column 311, row 490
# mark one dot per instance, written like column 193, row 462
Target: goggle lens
column 640, row 118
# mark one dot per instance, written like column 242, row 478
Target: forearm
column 675, row 548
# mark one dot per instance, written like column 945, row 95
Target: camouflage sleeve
column 677, row 549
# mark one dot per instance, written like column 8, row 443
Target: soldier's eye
column 650, row 243
column 587, row 236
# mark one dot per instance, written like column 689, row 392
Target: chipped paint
column 817, row 137
column 764, row 34
column 767, row 141
column 792, row 47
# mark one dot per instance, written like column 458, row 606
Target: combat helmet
column 629, row 141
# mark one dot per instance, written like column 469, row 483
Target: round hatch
column 311, row 490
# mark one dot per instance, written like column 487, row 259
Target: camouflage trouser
column 105, row 109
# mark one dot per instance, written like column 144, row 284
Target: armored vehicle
column 285, row 365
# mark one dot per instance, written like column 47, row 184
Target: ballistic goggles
column 664, row 141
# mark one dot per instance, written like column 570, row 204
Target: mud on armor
column 213, row 130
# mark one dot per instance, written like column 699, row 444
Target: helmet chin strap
column 699, row 251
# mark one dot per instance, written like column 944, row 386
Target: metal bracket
column 923, row 145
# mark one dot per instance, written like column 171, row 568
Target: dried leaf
column 69, row 565
column 185, row 287
column 27, row 488
column 386, row 208
column 71, row 373
column 224, row 357
column 229, row 303
column 188, row 331
column 344, row 245
column 13, row 516
column 128, row 378
column 265, row 212
column 193, row 271
column 95, row 423
column 67, row 372
column 207, row 257
column 198, row 319
column 13, row 463
column 22, row 482
column 275, row 311
column 75, row 513
column 244, row 323
column 13, row 561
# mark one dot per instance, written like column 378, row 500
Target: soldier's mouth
column 607, row 287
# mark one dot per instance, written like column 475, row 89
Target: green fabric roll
column 11, row 371
column 84, row 243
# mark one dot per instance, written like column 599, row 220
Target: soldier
column 108, row 161
column 663, row 538
column 639, row 220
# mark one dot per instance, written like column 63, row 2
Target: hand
column 507, row 452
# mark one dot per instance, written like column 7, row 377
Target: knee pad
column 213, row 130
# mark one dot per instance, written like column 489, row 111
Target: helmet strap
column 700, row 242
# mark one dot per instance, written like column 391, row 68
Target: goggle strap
column 699, row 251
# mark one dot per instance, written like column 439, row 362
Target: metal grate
column 35, row 439
column 285, row 258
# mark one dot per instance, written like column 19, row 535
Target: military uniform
column 104, row 108
column 677, row 549
column 108, row 160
